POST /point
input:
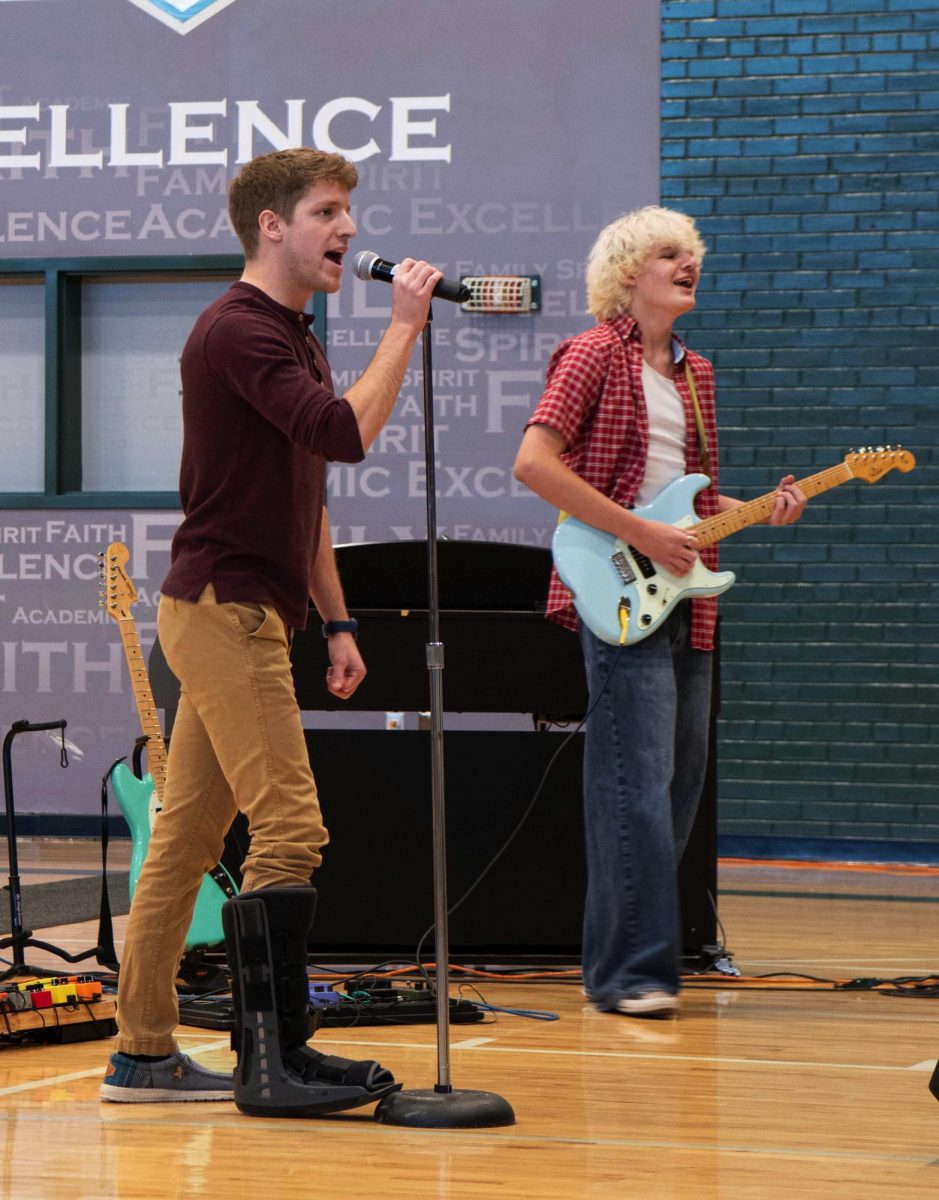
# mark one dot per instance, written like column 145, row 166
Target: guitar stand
column 19, row 937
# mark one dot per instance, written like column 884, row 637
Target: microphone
column 367, row 265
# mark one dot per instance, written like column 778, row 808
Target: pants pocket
column 256, row 620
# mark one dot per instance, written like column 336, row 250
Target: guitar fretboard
column 146, row 707
column 714, row 529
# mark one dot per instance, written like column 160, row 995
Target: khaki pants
column 237, row 744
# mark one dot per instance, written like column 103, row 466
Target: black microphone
column 367, row 265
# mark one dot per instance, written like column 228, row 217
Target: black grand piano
column 501, row 656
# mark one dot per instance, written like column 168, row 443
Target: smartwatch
column 349, row 626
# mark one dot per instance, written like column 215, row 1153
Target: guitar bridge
column 623, row 569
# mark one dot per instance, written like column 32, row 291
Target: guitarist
column 617, row 422
column 260, row 421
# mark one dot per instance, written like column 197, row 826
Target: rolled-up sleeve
column 259, row 361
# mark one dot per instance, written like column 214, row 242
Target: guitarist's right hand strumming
column 676, row 549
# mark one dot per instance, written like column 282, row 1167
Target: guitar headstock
column 116, row 592
column 875, row 461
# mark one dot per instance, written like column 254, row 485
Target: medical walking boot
column 278, row 1074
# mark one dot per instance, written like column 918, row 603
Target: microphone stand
column 441, row 1107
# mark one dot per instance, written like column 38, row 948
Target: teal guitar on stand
column 623, row 596
column 141, row 800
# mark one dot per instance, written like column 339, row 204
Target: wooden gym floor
column 758, row 1090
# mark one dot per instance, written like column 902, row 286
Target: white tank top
column 666, row 411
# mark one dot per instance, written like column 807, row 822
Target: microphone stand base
column 428, row 1108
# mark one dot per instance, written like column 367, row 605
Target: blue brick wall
column 803, row 136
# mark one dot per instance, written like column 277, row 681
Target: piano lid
column 501, row 653
column 488, row 576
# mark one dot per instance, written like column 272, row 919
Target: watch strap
column 350, row 625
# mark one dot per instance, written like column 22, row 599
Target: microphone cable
column 530, row 806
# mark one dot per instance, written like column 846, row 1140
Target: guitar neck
column 716, row 528
column 146, row 706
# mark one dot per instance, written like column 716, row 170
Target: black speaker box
column 376, row 884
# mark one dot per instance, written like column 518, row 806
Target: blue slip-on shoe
column 177, row 1077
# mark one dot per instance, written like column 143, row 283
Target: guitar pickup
column 645, row 565
column 623, row 568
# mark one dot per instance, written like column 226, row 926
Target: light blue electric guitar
column 622, row 596
column 140, row 800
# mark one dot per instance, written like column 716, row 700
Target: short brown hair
column 277, row 181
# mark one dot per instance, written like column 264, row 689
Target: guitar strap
column 704, row 454
column 224, row 881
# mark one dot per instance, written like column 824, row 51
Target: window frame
column 62, row 280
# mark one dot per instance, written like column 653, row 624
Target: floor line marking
column 635, row 1054
column 53, row 1080
column 484, row 1045
column 800, row 962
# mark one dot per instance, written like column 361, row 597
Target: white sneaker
column 651, row 1002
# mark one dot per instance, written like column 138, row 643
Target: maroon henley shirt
column 260, row 422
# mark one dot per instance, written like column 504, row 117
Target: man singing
column 260, row 422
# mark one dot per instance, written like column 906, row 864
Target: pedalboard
column 59, row 1008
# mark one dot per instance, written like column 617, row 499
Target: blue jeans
column 645, row 757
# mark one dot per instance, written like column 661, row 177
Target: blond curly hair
column 623, row 248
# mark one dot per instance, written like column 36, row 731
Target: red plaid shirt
column 593, row 397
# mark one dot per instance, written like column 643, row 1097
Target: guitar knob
column 652, row 588
column 645, row 619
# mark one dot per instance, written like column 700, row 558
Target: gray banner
column 491, row 138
